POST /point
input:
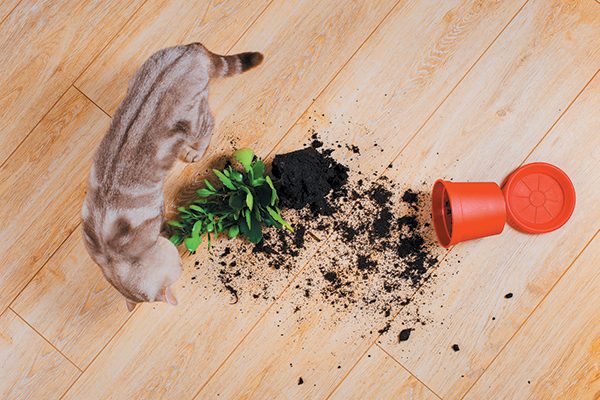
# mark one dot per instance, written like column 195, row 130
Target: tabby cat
column 164, row 116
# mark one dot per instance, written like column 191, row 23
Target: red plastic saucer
column 539, row 198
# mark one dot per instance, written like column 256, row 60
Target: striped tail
column 234, row 64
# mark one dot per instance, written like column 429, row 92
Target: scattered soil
column 376, row 249
column 300, row 381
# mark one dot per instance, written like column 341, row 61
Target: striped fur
column 164, row 116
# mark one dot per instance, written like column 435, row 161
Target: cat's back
column 123, row 208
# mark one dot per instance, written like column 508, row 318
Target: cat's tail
column 233, row 65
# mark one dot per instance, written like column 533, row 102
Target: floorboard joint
column 46, row 340
column 532, row 312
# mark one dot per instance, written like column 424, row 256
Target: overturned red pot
column 534, row 198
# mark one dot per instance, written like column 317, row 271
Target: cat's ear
column 169, row 297
column 130, row 305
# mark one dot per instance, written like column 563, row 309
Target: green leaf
column 244, row 156
column 234, row 231
column 209, row 185
column 274, row 196
column 258, row 169
column 196, row 229
column 204, row 192
column 197, row 208
column 237, row 176
column 237, row 201
column 175, row 223
column 210, row 227
column 192, row 243
column 226, row 181
column 249, row 200
column 255, row 234
column 263, row 195
column 176, row 240
column 258, row 182
column 248, row 218
column 275, row 215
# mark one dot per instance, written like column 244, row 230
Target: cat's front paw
column 190, row 155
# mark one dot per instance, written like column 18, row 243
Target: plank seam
column 531, row 314
column 322, row 242
column 522, row 162
column 41, row 267
column 250, row 26
column 98, row 354
column 314, row 100
column 407, row 370
column 108, row 43
column 10, row 12
column 412, row 138
column 559, row 117
column 3, row 163
column 44, row 338
column 383, row 171
column 67, row 89
column 90, row 100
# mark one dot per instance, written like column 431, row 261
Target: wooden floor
column 455, row 88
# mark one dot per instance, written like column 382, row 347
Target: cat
column 164, row 116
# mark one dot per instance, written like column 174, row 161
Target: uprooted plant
column 246, row 201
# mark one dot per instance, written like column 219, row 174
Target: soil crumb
column 404, row 335
column 455, row 347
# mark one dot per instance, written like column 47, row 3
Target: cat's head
column 150, row 278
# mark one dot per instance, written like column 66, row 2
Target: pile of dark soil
column 304, row 178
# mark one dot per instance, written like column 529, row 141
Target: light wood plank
column 470, row 301
column 45, row 45
column 71, row 303
column 556, row 353
column 161, row 23
column 505, row 95
column 42, row 185
column 6, row 7
column 477, row 26
column 378, row 376
column 85, row 309
column 31, row 368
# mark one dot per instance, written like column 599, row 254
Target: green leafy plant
column 246, row 201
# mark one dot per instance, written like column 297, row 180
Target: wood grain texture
column 305, row 44
column 206, row 308
column 161, row 23
column 503, row 96
column 45, row 45
column 6, row 7
column 42, row 185
column 562, row 335
column 474, row 312
column 378, row 376
column 198, row 354
column 31, row 368
column 379, row 106
column 71, row 303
